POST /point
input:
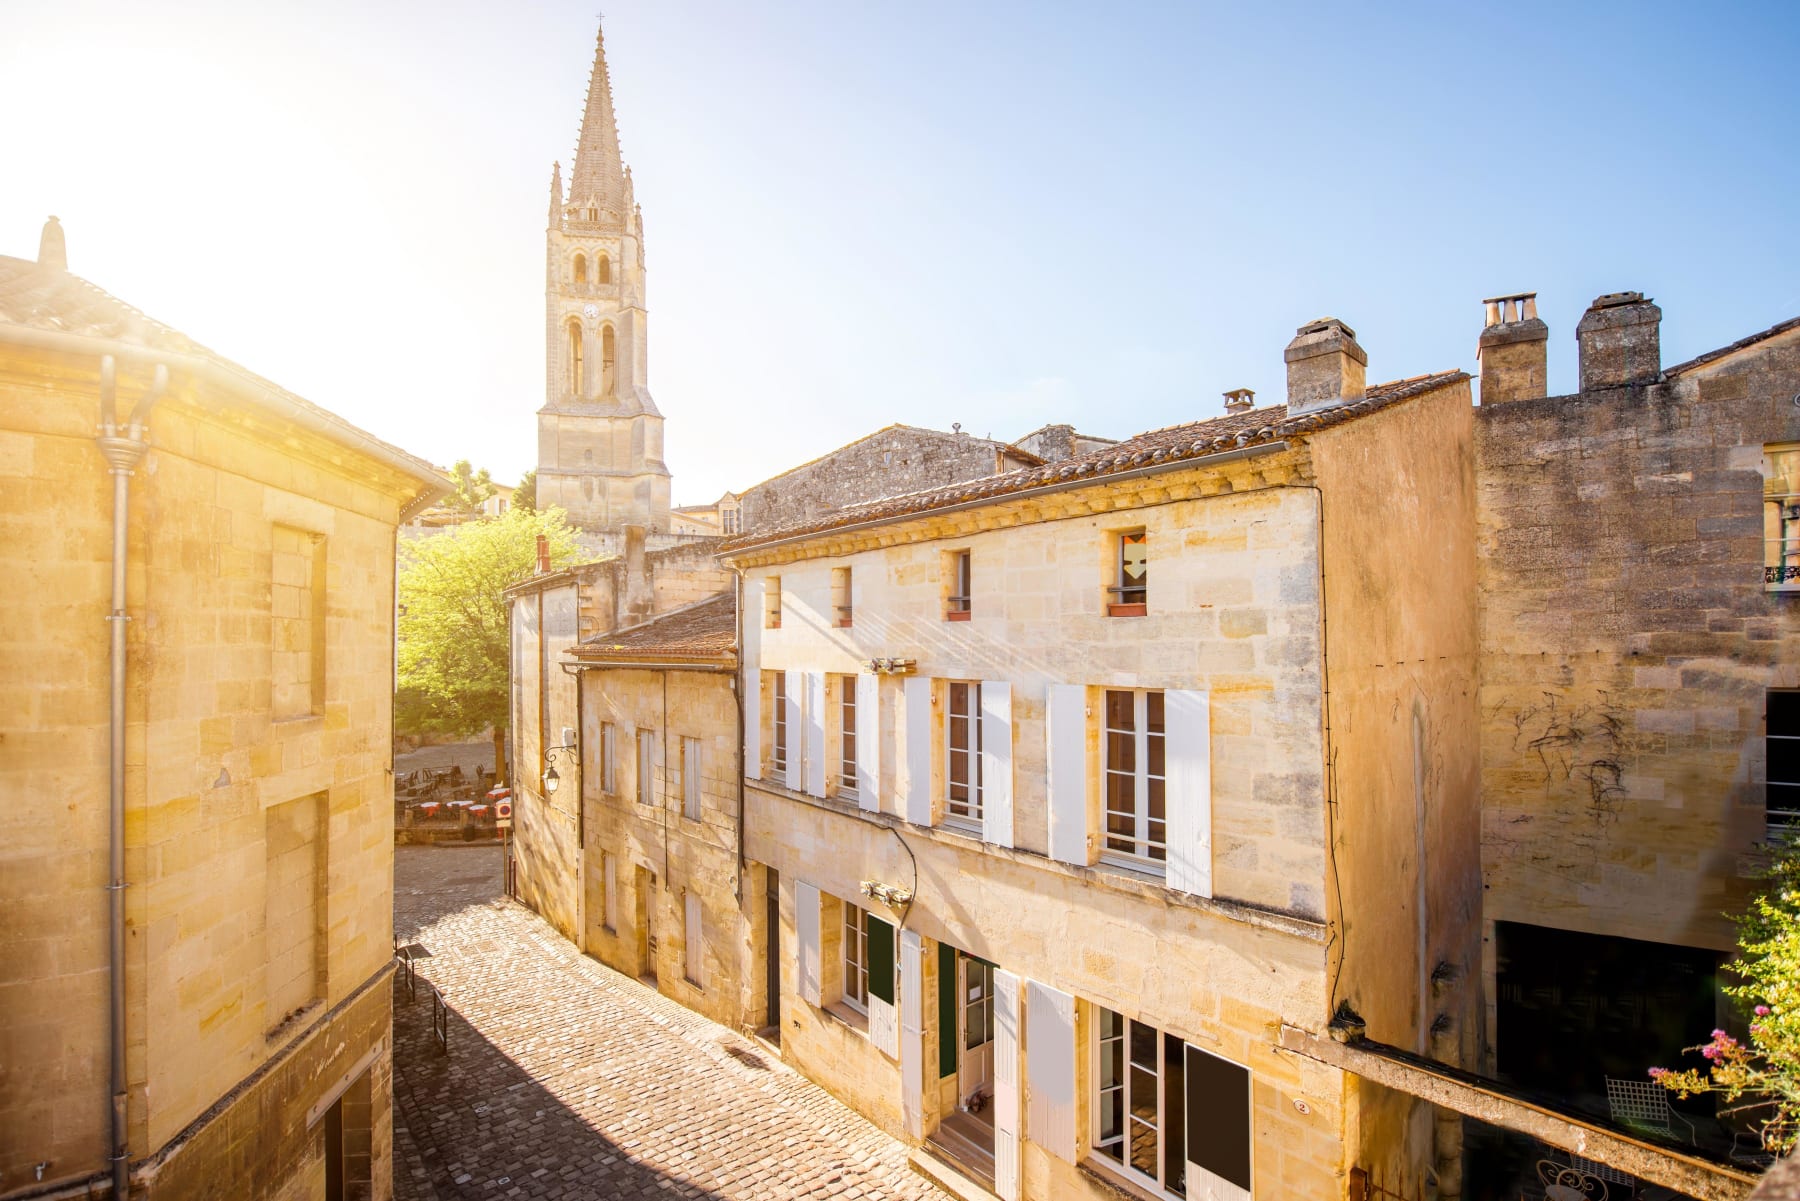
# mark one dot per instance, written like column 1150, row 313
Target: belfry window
column 602, row 269
column 575, row 365
column 580, row 269
column 606, row 361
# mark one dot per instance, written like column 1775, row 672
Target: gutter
column 282, row 404
column 1111, row 477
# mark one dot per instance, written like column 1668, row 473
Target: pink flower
column 1762, row 1011
column 1658, row 1073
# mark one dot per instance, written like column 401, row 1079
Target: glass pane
column 1112, row 1123
column 1784, row 760
column 1143, row 1145
column 1121, row 713
column 1143, row 1050
column 1784, row 712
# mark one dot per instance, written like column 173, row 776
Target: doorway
column 772, row 952
column 975, row 1033
column 646, row 925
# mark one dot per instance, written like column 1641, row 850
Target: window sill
column 1111, row 1176
column 1133, row 870
column 1118, row 610
column 843, row 1015
column 962, row 825
column 959, row 615
column 843, row 623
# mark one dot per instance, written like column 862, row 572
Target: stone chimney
column 53, row 249
column 1324, row 367
column 1513, row 349
column 1240, row 400
column 1621, row 341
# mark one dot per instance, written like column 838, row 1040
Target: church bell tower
column 600, row 436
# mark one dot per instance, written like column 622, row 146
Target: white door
column 975, row 1022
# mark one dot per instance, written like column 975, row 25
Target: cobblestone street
column 566, row 1079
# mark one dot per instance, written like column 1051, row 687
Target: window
column 840, row 596
column 580, row 269
column 646, row 767
column 602, row 269
column 690, row 778
column 847, row 736
column 962, row 766
column 1160, row 1105
column 1782, row 792
column 728, row 520
column 607, row 382
column 1130, row 590
column 1136, row 825
column 856, row 958
column 959, row 603
column 778, row 745
column 609, row 875
column 609, row 758
column 294, row 873
column 772, row 603
column 691, row 937
column 575, row 377
column 297, row 575
column 1781, row 518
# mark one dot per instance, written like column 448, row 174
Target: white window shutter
column 611, row 874
column 1067, row 734
column 884, row 1027
column 796, row 731
column 815, row 734
column 1006, row 1084
column 996, row 764
column 1187, row 752
column 1050, row 1069
column 918, row 750
column 751, row 683
column 912, row 1033
column 806, row 940
column 868, row 742
column 691, row 936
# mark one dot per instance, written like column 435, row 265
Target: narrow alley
column 566, row 1080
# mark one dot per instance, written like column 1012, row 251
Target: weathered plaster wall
column 1627, row 642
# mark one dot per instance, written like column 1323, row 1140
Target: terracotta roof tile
column 1191, row 440
column 704, row 630
column 1740, row 344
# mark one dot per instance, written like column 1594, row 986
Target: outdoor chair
column 1747, row 1148
column 1642, row 1106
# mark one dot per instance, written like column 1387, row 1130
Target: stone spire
column 556, row 196
column 53, row 250
column 598, row 178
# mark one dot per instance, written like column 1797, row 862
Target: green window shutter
column 946, row 1010
column 881, row 958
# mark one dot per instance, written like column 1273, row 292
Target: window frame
column 1125, row 598
column 1098, row 1155
column 849, row 730
column 842, row 606
column 973, row 809
column 1782, row 822
column 778, row 725
column 609, row 759
column 1141, row 856
column 959, row 600
column 772, row 602
column 855, row 937
column 646, row 767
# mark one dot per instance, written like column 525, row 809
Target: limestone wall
column 1627, row 645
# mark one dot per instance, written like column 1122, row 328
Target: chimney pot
column 543, row 554
column 1324, row 366
column 1240, row 400
column 1513, row 349
column 53, row 247
column 1620, row 339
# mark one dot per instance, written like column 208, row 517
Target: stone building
column 600, row 435
column 196, row 749
column 1639, row 690
column 1071, row 789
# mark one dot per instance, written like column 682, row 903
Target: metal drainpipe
column 122, row 452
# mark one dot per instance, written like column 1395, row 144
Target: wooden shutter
column 868, row 742
column 1187, row 756
column 691, row 938
column 1218, row 1128
column 996, row 764
column 884, row 1016
column 751, row 683
column 1050, row 1069
column 814, row 743
column 806, row 940
column 610, row 871
column 690, row 777
column 795, row 726
column 912, row 1034
column 1066, row 754
column 918, row 750
column 1006, row 1083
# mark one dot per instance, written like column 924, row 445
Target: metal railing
column 440, row 1020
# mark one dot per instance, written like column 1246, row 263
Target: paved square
column 567, row 1080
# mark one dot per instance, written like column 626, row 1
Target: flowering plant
column 1767, row 1069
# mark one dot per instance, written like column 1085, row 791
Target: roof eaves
column 1724, row 351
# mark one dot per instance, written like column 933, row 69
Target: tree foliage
column 525, row 495
column 472, row 488
column 454, row 638
column 1767, row 1070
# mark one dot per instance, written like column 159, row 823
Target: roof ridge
column 652, row 620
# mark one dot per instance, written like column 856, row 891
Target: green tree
column 472, row 488
column 455, row 643
column 1767, row 1070
column 525, row 495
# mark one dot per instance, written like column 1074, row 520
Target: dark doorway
column 1574, row 1009
column 334, row 1152
column 772, row 949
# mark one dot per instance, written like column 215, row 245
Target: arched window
column 593, row 214
column 603, row 270
column 575, row 358
column 606, row 361
column 580, row 269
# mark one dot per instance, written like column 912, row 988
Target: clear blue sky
column 998, row 214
